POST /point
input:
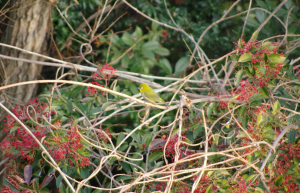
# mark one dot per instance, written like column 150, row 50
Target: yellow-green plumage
column 149, row 94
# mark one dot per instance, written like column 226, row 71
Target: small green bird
column 149, row 94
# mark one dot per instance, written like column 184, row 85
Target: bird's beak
column 138, row 88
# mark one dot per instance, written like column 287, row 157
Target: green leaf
column 62, row 188
column 120, row 138
column 148, row 139
column 138, row 32
column 251, row 70
column 279, row 180
column 125, row 61
column 83, row 172
column 162, row 51
column 249, row 178
column 36, row 186
column 127, row 39
column 209, row 189
column 242, row 110
column 254, row 35
column 154, row 26
column 253, row 22
column 259, row 190
column 151, row 45
column 196, row 131
column 126, row 167
column 240, row 43
column 276, row 107
column 238, row 77
column 261, row 70
column 257, row 96
column 260, row 15
column 14, row 128
column 210, row 109
column 98, row 191
column 63, row 99
column 276, row 58
column 124, row 177
column 165, row 65
column 155, row 156
column 265, row 91
column 148, row 53
column 105, row 105
column 11, row 187
column 181, row 64
column 259, row 119
column 246, row 57
column 85, row 154
column 75, row 91
column 292, row 136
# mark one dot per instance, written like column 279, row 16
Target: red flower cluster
column 170, row 147
column 97, row 42
column 20, row 141
column 283, row 165
column 106, row 73
column 94, row 91
column 104, row 134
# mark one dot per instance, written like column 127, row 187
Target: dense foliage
column 239, row 136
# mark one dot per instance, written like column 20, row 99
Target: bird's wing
column 151, row 96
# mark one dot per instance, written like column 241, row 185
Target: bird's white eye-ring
column 142, row 88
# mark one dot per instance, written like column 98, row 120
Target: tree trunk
column 27, row 26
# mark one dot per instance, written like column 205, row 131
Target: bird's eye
column 142, row 88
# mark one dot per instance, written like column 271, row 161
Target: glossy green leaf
column 138, row 32
column 105, row 105
column 11, row 187
column 279, row 180
column 62, row 188
column 265, row 91
column 257, row 96
column 124, row 177
column 238, row 76
column 260, row 71
column 255, row 34
column 126, row 167
column 151, row 45
column 240, row 43
column 83, row 172
column 276, row 107
column 162, row 51
column 36, row 186
column 154, row 25
column 165, row 65
column 259, row 119
column 197, row 130
column 276, row 58
column 121, row 136
column 125, row 61
column 75, row 91
column 210, row 109
column 292, row 136
column 260, row 15
column 155, row 156
column 209, row 189
column 246, row 57
column 181, row 64
column 127, row 39
column 14, row 128
column 148, row 53
column 242, row 110
column 58, row 180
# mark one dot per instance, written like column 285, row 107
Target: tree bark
column 27, row 24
